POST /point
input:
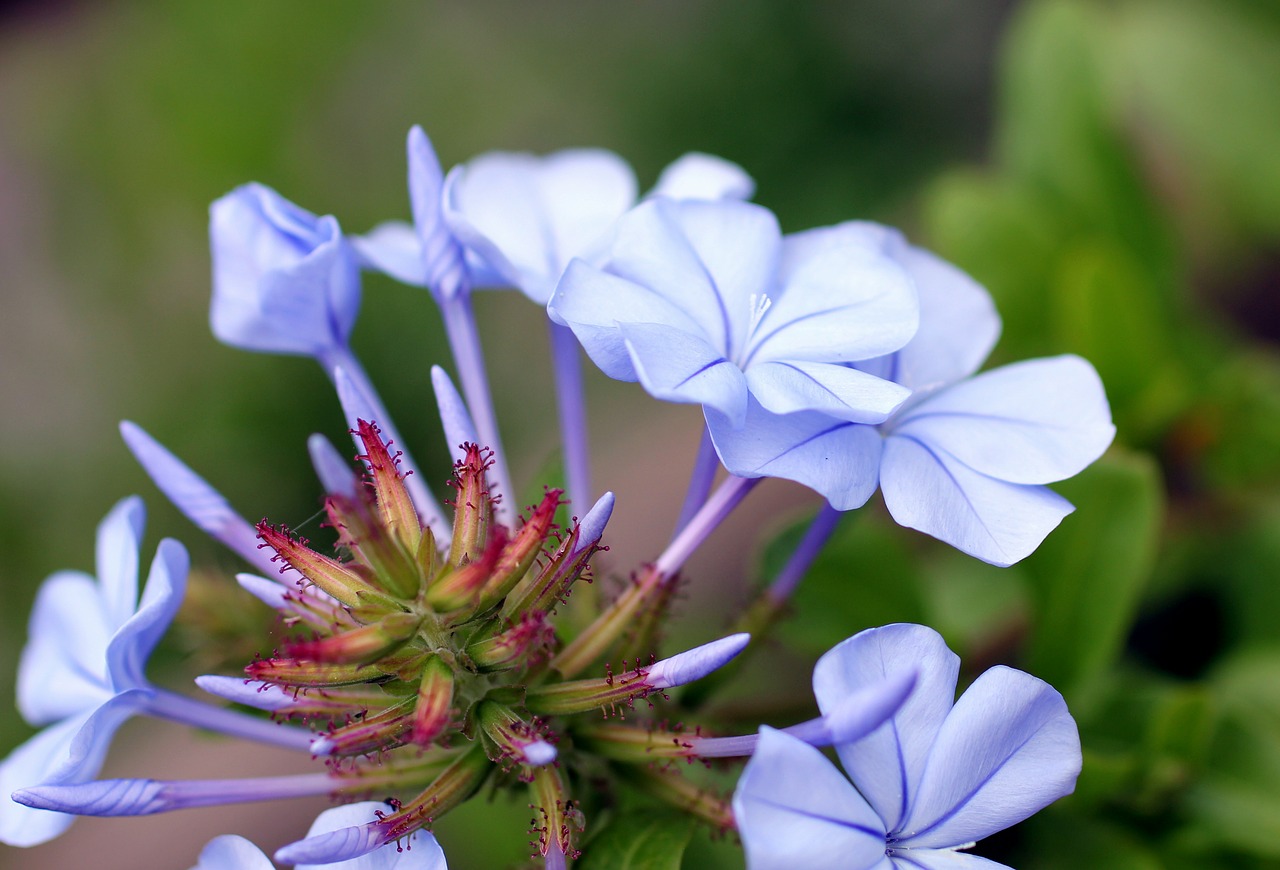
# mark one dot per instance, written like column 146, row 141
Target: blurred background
column 1109, row 170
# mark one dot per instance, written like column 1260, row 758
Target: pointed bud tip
column 591, row 526
column 696, row 663
column 539, row 753
column 340, row 845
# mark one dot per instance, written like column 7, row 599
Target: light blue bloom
column 940, row 775
column 420, row 851
column 706, row 302
column 284, row 280
column 81, row 672
column 965, row 459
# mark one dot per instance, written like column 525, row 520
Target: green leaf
column 1087, row 576
column 639, row 840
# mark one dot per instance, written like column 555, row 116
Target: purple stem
column 705, row 467
column 189, row 711
column 815, row 538
column 572, row 406
column 713, row 512
column 464, row 340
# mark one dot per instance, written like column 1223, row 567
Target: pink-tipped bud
column 434, row 711
column 395, row 507
column 473, row 508
column 696, row 663
column 360, row 645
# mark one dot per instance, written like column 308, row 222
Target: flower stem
column 571, row 405
column 708, row 517
column 188, row 711
column 704, row 472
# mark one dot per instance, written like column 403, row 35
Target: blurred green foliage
column 1128, row 211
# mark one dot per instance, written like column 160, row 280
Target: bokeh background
column 1109, row 170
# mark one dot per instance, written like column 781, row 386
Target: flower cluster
column 435, row 652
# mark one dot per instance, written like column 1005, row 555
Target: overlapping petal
column 928, row 489
column 133, row 642
column 704, row 176
column 679, row 367
column 838, row 391
column 888, row 764
column 1036, row 421
column 419, row 851
column 230, row 852
column 62, row 671
column 284, row 280
column 794, row 809
column 840, row 460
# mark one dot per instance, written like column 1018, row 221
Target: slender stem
column 704, row 474
column 815, row 538
column 572, row 407
column 464, row 340
column 426, row 503
column 182, row 794
column 188, row 711
column 713, row 512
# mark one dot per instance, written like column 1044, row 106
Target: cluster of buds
column 435, row 666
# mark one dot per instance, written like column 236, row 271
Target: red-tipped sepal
column 395, row 507
column 363, row 645
column 434, row 711
column 473, row 508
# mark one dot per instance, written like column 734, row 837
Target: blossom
column 419, row 851
column 966, row 457
column 284, row 280
column 938, row 776
column 707, row 302
column 81, row 672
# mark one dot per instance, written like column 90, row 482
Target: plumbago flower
column 419, row 850
column 933, row 779
column 965, row 459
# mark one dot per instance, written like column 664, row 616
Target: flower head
column 81, row 672
column 966, row 457
column 284, row 280
column 707, row 303
column 938, row 776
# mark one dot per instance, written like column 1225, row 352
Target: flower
column 81, row 672
column 419, row 851
column 935, row 778
column 284, row 280
column 706, row 302
column 965, row 459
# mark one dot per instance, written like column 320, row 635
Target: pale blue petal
column 529, row 216
column 284, row 281
column 841, row 298
column 62, row 671
column 958, row 324
column 455, row 419
column 842, row 392
column 1031, row 422
column 713, row 260
column 1008, row 748
column 942, row 859
column 392, row 247
column 336, row 474
column 444, row 266
column 888, row 764
column 420, row 849
column 71, row 751
column 593, row 304
column 927, row 489
column 119, row 537
column 133, row 642
column 230, row 852
column 794, row 809
column 678, row 367
column 840, row 460
column 704, row 176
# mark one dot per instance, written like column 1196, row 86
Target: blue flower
column 940, row 775
column 966, row 457
column 284, row 280
column 419, row 852
column 81, row 672
column 706, row 302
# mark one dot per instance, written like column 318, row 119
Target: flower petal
column 679, row 367
column 840, row 460
column 842, row 298
column 230, row 852
column 593, row 303
column 62, row 671
column 928, row 489
column 942, row 859
column 418, row 851
column 887, row 764
column 794, row 809
column 842, row 392
column 1031, row 422
column 529, row 216
column 392, row 247
column 119, row 538
column 133, row 642
column 1008, row 749
column 704, row 176
column 70, row 751
column 713, row 260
